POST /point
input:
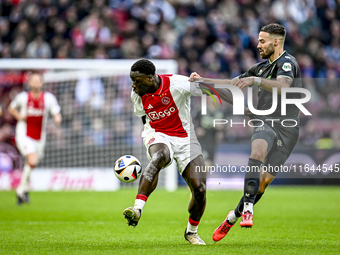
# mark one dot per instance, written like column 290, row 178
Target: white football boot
column 132, row 215
column 193, row 238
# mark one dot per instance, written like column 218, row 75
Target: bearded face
column 265, row 45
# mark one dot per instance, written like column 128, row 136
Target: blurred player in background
column 31, row 110
column 163, row 103
column 271, row 144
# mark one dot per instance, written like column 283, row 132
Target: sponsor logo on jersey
column 166, row 100
column 260, row 72
column 31, row 111
column 287, row 57
column 161, row 114
column 287, row 67
column 151, row 140
column 150, row 107
column 279, row 143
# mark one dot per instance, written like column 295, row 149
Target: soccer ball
column 127, row 168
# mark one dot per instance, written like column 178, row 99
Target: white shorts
column 182, row 149
column 27, row 145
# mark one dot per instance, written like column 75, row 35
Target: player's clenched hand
column 244, row 82
column 194, row 77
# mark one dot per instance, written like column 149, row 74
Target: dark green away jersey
column 284, row 65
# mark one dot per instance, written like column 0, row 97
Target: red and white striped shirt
column 36, row 111
column 168, row 109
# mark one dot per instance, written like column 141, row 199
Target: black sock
column 251, row 186
column 258, row 197
column 239, row 208
column 252, row 180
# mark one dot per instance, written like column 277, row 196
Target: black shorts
column 281, row 142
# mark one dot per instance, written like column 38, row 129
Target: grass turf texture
column 288, row 220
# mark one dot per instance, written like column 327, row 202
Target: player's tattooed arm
column 285, row 79
column 279, row 83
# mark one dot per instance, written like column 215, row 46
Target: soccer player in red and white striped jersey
column 31, row 110
column 163, row 103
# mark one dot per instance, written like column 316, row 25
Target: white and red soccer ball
column 127, row 168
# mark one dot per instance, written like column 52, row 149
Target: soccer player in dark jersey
column 163, row 103
column 271, row 144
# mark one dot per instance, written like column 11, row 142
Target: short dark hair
column 36, row 73
column 144, row 66
column 275, row 29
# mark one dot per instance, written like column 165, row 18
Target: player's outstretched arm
column 225, row 95
column 279, row 83
column 15, row 113
column 196, row 77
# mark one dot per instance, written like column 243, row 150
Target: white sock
column 139, row 204
column 248, row 207
column 24, row 181
column 191, row 228
column 232, row 218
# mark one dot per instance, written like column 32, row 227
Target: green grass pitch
column 288, row 220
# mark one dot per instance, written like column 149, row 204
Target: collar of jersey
column 35, row 98
column 159, row 90
column 277, row 57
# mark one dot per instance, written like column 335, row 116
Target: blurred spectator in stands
column 32, row 12
column 38, row 48
column 89, row 90
column 18, row 47
column 24, row 29
column 71, row 17
column 98, row 134
column 5, row 33
column 6, row 51
column 60, row 29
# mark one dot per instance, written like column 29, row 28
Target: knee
column 200, row 191
column 159, row 159
column 32, row 161
column 258, row 155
